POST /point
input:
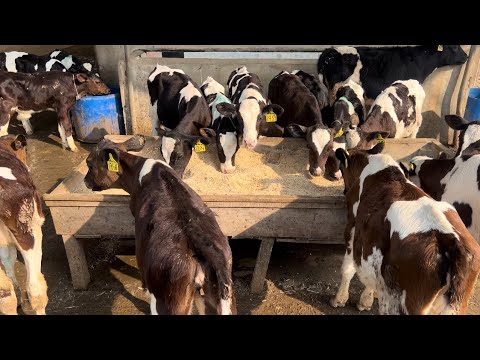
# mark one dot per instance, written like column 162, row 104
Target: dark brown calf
column 21, row 220
column 412, row 251
column 182, row 254
column 31, row 93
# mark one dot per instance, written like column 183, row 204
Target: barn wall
column 442, row 86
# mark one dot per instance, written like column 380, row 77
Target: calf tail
column 463, row 268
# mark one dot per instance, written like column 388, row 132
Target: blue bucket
column 472, row 110
column 96, row 116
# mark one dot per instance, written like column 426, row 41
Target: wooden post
column 261, row 265
column 77, row 262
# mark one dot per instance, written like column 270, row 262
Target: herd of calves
column 412, row 229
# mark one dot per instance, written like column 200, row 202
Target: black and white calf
column 317, row 88
column 377, row 68
column 15, row 61
column 456, row 181
column 396, row 113
column 224, row 122
column 182, row 254
column 469, row 137
column 182, row 109
column 74, row 64
column 246, row 92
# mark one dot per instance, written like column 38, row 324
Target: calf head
column 251, row 113
column 469, row 138
column 90, row 85
column 101, row 174
column 370, row 139
column 17, row 145
column 352, row 163
column 228, row 136
column 449, row 54
column 319, row 142
column 177, row 147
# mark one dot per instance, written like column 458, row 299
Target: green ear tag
column 271, row 117
column 440, row 48
column 339, row 133
column 112, row 164
column 199, row 147
column 379, row 138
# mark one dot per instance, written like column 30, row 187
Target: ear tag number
column 112, row 164
column 199, row 147
column 271, row 117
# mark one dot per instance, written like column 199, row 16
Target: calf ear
column 342, row 155
column 277, row 109
column 377, row 149
column 135, row 143
column 80, row 77
column 404, row 169
column 19, row 142
column 456, row 122
column 207, row 133
column 112, row 159
column 297, row 131
column 227, row 109
column 442, row 156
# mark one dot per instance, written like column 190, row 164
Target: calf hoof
column 74, row 149
column 361, row 307
column 336, row 303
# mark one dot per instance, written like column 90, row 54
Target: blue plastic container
column 472, row 110
column 93, row 117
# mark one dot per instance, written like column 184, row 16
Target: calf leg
column 36, row 285
column 348, row 270
column 366, row 299
column 8, row 299
column 65, row 130
column 25, row 119
column 5, row 112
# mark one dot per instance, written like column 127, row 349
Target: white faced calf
column 412, row 251
column 246, row 92
column 21, row 220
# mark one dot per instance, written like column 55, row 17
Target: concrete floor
column 300, row 279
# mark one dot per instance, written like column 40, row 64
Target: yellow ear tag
column 271, row 117
column 412, row 167
column 440, row 48
column 346, row 152
column 379, row 138
column 112, row 164
column 339, row 133
column 199, row 147
column 346, row 163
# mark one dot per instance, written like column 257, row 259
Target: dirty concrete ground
column 300, row 279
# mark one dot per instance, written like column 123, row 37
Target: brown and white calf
column 396, row 113
column 246, row 91
column 469, row 137
column 21, row 220
column 456, row 181
column 182, row 254
column 413, row 252
column 28, row 94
